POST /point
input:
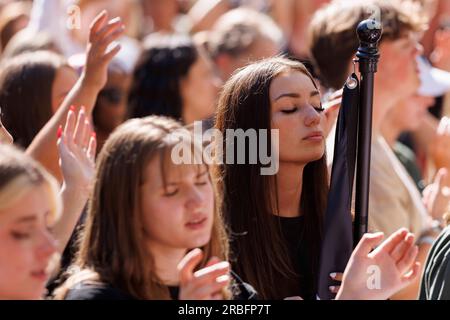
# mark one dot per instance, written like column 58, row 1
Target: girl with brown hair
column 145, row 214
column 276, row 220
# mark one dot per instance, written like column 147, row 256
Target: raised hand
column 77, row 148
column 440, row 148
column 99, row 55
column 436, row 196
column 206, row 283
column 378, row 274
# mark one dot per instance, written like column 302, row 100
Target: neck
column 382, row 102
column 289, row 188
column 188, row 117
column 166, row 261
column 390, row 130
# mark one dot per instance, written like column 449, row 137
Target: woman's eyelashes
column 20, row 235
column 290, row 110
column 295, row 108
column 172, row 190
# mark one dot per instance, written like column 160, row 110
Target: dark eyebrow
column 314, row 93
column 296, row 95
column 288, row 94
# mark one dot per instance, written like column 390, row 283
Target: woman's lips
column 315, row 136
column 196, row 224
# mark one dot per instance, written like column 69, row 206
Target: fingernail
column 59, row 132
column 83, row 109
column 333, row 275
column 93, row 135
column 224, row 278
column 332, row 288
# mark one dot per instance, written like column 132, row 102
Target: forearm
column 74, row 201
column 205, row 13
column 43, row 147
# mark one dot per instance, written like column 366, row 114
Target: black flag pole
column 369, row 33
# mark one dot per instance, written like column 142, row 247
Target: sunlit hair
column 19, row 175
column 112, row 247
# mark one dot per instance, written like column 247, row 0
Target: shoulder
column 96, row 291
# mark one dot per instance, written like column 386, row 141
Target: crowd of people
column 97, row 96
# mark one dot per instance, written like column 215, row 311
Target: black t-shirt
column 98, row 291
column 303, row 284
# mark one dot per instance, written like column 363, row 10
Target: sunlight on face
column 26, row 246
column 298, row 115
column 177, row 214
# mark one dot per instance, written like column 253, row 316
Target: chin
column 199, row 241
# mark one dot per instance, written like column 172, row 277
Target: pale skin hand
column 76, row 146
column 84, row 93
column 102, row 34
column 440, row 148
column 206, row 283
column 436, row 196
column 395, row 259
column 441, row 53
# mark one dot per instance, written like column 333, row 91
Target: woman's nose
column 312, row 117
column 47, row 246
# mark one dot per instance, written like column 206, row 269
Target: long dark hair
column 250, row 199
column 155, row 89
column 26, row 93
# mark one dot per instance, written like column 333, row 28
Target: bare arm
column 84, row 93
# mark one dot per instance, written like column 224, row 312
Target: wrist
column 90, row 85
column 76, row 189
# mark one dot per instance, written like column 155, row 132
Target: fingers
column 78, row 136
column 443, row 126
column 402, row 247
column 92, row 149
column 441, row 177
column 212, row 261
column 112, row 26
column 112, row 31
column 187, row 265
column 108, row 57
column 334, row 289
column 211, row 273
column 368, row 242
column 411, row 276
column 98, row 22
column 393, row 240
column 69, row 128
column 408, row 259
column 212, row 288
column 336, row 276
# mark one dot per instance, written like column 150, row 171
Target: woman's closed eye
column 294, row 109
column 319, row 109
column 170, row 191
column 290, row 110
column 20, row 235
